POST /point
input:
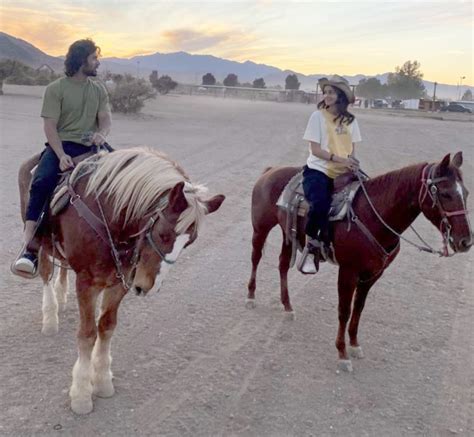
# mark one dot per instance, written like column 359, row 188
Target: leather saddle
column 293, row 203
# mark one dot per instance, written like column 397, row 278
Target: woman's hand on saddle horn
column 65, row 163
column 351, row 163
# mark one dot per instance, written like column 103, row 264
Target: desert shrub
column 129, row 94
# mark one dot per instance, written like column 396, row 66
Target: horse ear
column 177, row 201
column 445, row 162
column 457, row 160
column 214, row 203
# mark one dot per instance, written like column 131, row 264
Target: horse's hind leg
column 258, row 241
column 61, row 288
column 359, row 301
column 284, row 266
column 81, row 387
column 50, row 303
column 101, row 356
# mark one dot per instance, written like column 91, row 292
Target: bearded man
column 77, row 120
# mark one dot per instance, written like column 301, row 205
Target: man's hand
column 98, row 139
column 65, row 163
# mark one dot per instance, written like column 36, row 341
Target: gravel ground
column 193, row 361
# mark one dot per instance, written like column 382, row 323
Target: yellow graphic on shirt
column 339, row 143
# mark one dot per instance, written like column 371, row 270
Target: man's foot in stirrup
column 308, row 262
column 27, row 263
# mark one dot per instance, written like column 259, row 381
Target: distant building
column 44, row 68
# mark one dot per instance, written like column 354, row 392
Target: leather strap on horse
column 84, row 211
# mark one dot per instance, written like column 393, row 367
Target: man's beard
column 90, row 71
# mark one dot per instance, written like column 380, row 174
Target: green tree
column 153, row 77
column 406, row 82
column 259, row 83
column 467, row 95
column 163, row 84
column 231, row 80
column 292, row 82
column 7, row 68
column 208, row 79
column 371, row 88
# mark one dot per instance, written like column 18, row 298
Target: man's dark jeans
column 47, row 175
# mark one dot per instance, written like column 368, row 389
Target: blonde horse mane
column 135, row 179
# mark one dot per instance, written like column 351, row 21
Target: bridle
column 429, row 188
column 146, row 233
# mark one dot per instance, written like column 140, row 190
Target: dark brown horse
column 151, row 212
column 398, row 197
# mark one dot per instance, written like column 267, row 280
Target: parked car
column 455, row 107
column 380, row 103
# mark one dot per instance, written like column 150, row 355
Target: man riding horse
column 77, row 120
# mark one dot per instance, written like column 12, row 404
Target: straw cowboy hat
column 340, row 83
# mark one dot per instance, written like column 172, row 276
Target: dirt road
column 193, row 361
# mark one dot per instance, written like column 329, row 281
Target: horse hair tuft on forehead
column 135, row 179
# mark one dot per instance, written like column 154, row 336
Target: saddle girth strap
column 85, row 213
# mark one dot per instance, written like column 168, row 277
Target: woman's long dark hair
column 343, row 115
column 77, row 55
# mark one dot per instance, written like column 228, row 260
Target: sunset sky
column 349, row 37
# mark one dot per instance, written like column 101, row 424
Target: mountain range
column 187, row 68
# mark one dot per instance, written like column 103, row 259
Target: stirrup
column 308, row 263
column 19, row 272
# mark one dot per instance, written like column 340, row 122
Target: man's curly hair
column 77, row 55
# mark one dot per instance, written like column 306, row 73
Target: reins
column 101, row 227
column 428, row 187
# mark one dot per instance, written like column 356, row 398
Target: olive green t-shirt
column 74, row 105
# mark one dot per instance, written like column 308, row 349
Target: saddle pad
column 61, row 194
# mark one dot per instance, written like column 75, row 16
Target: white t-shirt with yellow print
column 333, row 137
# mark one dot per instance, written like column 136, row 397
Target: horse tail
column 24, row 181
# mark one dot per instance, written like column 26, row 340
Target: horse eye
column 165, row 238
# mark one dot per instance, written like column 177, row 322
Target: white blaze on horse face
column 461, row 195
column 165, row 267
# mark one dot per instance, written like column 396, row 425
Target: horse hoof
column 105, row 390
column 290, row 316
column 250, row 304
column 81, row 406
column 356, row 352
column 345, row 366
column 49, row 330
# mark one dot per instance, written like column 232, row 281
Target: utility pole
column 434, row 96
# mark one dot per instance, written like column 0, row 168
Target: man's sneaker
column 27, row 263
column 307, row 262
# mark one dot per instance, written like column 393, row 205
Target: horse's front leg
column 346, row 285
column 50, row 303
column 101, row 356
column 363, row 288
column 81, row 387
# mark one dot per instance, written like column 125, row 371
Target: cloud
column 41, row 29
column 192, row 40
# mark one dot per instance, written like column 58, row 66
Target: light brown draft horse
column 435, row 190
column 152, row 212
